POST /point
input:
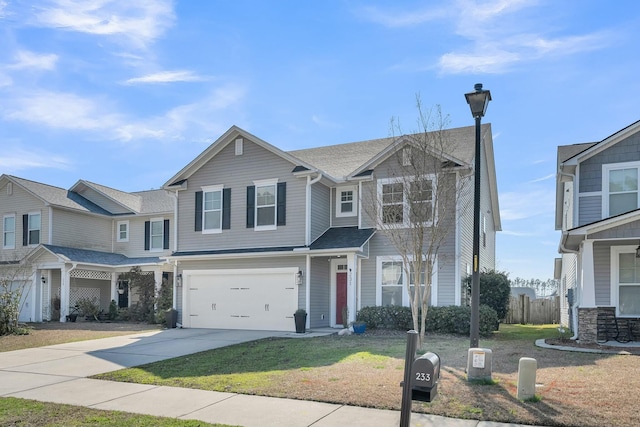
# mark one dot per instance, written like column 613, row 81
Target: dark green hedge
column 443, row 320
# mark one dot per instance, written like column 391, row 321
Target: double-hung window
column 620, row 185
column 123, row 231
column 33, row 230
column 212, row 209
column 625, row 289
column 156, row 242
column 393, row 279
column 346, row 201
column 9, row 232
column 266, row 200
column 406, row 201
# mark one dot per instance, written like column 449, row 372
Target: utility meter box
column 425, row 375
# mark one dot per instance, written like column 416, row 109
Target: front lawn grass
column 574, row 389
column 27, row 413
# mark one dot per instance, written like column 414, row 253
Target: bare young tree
column 15, row 281
column 416, row 205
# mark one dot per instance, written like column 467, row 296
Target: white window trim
column 405, row 296
column 605, row 183
column 151, row 248
column 354, row 201
column 13, row 245
column 405, row 206
column 211, row 189
column 118, row 238
column 615, row 276
column 29, row 229
column 265, row 183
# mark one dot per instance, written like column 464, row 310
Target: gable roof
column 597, row 147
column 96, row 258
column 140, row 202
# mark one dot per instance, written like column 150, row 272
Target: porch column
column 64, row 293
column 351, row 286
column 588, row 297
column 307, row 289
column 114, row 289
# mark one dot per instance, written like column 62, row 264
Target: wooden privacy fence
column 524, row 310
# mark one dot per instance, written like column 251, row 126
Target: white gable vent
column 239, row 146
column 9, row 188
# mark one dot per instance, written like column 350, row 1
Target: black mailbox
column 425, row 374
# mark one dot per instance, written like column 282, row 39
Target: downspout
column 574, row 307
column 175, row 284
column 307, row 224
column 175, row 224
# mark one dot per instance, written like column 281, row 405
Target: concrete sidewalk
column 58, row 374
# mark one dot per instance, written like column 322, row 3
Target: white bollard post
column 527, row 378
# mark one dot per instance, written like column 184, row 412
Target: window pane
column 34, row 222
column 156, row 242
column 629, row 270
column 622, row 202
column 623, row 180
column 266, row 216
column 392, row 193
column 391, row 295
column 392, row 214
column 212, row 200
column 9, row 224
column 391, row 273
column 156, row 227
column 34, row 237
column 266, row 195
column 346, row 196
column 347, row 207
column 212, row 220
column 629, row 298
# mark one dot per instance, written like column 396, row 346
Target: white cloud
column 544, row 178
column 16, row 159
column 392, row 19
column 526, row 204
column 30, row 60
column 166, row 77
column 140, row 22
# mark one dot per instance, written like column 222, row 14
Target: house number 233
column 423, row 376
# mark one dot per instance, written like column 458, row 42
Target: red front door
column 341, row 296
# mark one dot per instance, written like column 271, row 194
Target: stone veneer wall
column 588, row 324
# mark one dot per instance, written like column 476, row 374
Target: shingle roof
column 342, row 238
column 86, row 256
column 58, row 196
column 341, row 160
column 565, row 152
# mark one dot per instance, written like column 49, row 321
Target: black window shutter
column 282, row 204
column 147, row 234
column 25, row 230
column 198, row 210
column 226, row 208
column 165, row 235
column 251, row 204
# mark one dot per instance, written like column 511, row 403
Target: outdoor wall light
column 299, row 278
column 120, row 288
column 44, row 280
column 179, row 280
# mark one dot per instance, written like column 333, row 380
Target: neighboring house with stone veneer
column 597, row 211
column 262, row 232
column 78, row 241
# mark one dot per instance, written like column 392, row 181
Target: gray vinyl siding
column 236, row 173
column 135, row 246
column 320, row 312
column 629, row 230
column 446, row 272
column 245, row 263
column 488, row 251
column 343, row 221
column 591, row 169
column 465, row 232
column 568, row 281
column 320, row 206
column 590, row 210
column 19, row 203
column 77, row 230
column 602, row 272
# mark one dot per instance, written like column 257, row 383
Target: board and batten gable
column 237, row 172
column 80, row 230
column 14, row 200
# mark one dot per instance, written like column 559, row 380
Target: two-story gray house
column 597, row 212
column 76, row 242
column 261, row 232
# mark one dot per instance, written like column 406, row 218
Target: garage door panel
column 242, row 301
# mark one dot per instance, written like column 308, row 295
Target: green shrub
column 387, row 317
column 90, row 308
column 457, row 320
column 113, row 310
column 495, row 290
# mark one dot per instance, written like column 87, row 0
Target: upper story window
column 123, row 231
column 346, row 201
column 621, row 188
column 31, row 229
column 406, row 201
column 212, row 209
column 266, row 204
column 156, row 234
column 9, row 232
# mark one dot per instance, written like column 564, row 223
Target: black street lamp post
column 478, row 102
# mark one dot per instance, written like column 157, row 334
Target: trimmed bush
column 495, row 290
column 443, row 320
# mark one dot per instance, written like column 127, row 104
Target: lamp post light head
column 478, row 100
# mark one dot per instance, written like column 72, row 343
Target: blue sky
column 125, row 93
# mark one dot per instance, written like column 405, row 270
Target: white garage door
column 261, row 299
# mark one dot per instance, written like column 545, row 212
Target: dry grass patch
column 575, row 389
column 50, row 333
